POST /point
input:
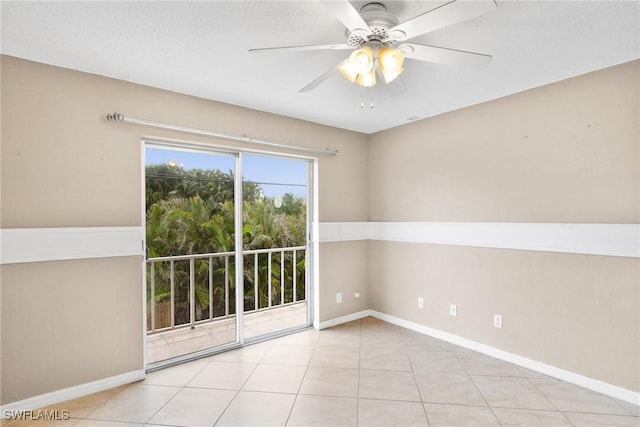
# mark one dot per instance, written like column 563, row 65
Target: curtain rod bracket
column 115, row 117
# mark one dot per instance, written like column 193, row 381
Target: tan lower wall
column 580, row 313
column 68, row 323
column 344, row 269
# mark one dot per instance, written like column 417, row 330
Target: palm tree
column 192, row 212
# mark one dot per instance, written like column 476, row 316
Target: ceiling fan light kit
column 373, row 33
column 360, row 68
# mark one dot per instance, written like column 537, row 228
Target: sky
column 276, row 175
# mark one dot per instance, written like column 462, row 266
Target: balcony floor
column 365, row 373
column 176, row 342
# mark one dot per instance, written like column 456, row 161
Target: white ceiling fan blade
column 442, row 55
column 448, row 14
column 318, row 81
column 350, row 18
column 284, row 49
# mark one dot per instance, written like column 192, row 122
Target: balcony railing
column 185, row 290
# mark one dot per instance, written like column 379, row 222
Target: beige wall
column 81, row 170
column 70, row 322
column 346, row 279
column 577, row 312
column 64, row 165
column 567, row 152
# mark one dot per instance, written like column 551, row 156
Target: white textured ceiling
column 200, row 48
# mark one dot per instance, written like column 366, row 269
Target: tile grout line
column 413, row 372
column 295, row 399
column 549, row 400
column 478, row 389
column 165, row 404
column 237, row 392
column 86, row 417
column 359, row 372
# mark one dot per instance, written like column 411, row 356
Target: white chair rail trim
column 20, row 245
column 622, row 240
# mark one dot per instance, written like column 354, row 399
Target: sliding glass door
column 275, row 231
column 190, row 286
column 226, row 237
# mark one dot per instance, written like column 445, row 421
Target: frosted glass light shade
column 348, row 71
column 362, row 59
column 390, row 61
column 367, row 79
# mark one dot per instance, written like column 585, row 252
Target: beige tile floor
column 177, row 342
column 365, row 373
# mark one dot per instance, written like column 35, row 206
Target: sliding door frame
column 311, row 253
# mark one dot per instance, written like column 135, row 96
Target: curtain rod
column 117, row 117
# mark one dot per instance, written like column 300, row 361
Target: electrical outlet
column 339, row 297
column 497, row 321
column 453, row 310
column 420, row 302
column 357, row 294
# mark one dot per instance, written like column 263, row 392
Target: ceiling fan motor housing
column 379, row 22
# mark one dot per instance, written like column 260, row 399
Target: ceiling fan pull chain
column 371, row 104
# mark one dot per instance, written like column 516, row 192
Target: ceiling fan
column 379, row 40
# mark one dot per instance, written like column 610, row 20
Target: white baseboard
column 552, row 371
column 55, row 397
column 345, row 319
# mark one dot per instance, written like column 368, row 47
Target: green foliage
column 192, row 212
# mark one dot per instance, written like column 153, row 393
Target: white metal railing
column 288, row 279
